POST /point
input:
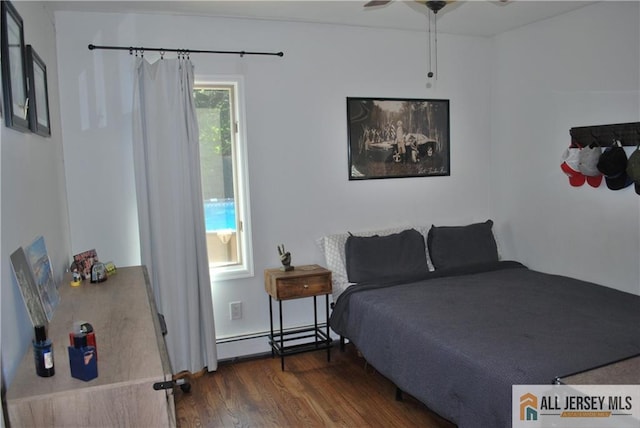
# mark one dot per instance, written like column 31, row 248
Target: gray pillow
column 454, row 246
column 398, row 255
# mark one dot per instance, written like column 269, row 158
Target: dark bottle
column 43, row 353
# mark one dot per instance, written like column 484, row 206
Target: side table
column 301, row 282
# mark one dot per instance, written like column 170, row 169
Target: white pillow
column 424, row 230
column 332, row 246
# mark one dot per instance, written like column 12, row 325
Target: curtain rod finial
column 91, row 47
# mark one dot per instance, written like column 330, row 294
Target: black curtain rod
column 140, row 49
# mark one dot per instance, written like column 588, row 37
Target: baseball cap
column 633, row 168
column 570, row 166
column 588, row 164
column 613, row 165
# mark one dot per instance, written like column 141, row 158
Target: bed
column 437, row 312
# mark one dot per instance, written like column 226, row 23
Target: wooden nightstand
column 303, row 281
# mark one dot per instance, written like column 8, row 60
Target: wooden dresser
column 132, row 356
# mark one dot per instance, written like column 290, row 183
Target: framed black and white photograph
column 14, row 80
column 1, row 91
column 38, row 94
column 397, row 137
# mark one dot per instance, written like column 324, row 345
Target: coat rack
column 604, row 135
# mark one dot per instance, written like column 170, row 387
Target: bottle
column 43, row 353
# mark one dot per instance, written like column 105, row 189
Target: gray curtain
column 170, row 209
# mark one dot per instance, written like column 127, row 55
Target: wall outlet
column 235, row 310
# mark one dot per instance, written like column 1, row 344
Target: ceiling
column 472, row 18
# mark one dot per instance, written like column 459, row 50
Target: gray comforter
column 458, row 340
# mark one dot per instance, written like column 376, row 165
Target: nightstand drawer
column 303, row 281
column 291, row 288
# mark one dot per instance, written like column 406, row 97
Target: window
column 223, row 167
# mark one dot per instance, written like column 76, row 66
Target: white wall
column 578, row 69
column 297, row 136
column 34, row 199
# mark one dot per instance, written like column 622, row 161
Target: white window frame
column 244, row 269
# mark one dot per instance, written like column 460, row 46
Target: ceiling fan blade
column 377, row 3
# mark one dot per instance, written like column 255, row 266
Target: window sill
column 224, row 274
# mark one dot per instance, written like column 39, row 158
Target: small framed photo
column 14, row 77
column 397, row 137
column 38, row 94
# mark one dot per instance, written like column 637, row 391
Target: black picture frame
column 374, row 153
column 1, row 89
column 14, row 77
column 38, row 94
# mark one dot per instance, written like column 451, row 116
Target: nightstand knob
column 306, row 286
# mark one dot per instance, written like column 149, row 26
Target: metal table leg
column 271, row 324
column 328, row 337
column 281, row 338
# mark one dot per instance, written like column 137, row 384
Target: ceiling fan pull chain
column 435, row 31
column 430, row 73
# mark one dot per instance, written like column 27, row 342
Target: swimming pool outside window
column 224, row 178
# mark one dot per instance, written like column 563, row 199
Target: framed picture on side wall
column 1, row 91
column 397, row 137
column 1, row 86
column 38, row 94
column 14, row 80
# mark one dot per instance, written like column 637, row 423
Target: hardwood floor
column 345, row 392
